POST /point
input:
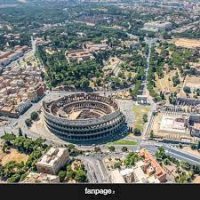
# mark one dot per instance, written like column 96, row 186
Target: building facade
column 53, row 160
column 41, row 178
column 194, row 125
column 83, row 117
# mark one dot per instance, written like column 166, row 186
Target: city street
column 15, row 124
column 95, row 169
column 172, row 151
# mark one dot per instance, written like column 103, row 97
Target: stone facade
column 53, row 160
column 106, row 118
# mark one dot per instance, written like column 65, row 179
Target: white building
column 116, row 177
column 53, row 160
column 128, row 175
column 142, row 99
column 157, row 26
column 136, row 174
column 41, row 178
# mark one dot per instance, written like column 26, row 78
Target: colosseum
column 84, row 117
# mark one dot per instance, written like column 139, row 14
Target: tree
column 14, row 172
column 19, row 143
column 131, row 159
column 84, row 83
column 111, row 148
column 187, row 89
column 137, row 131
column 20, row 132
column 186, row 166
column 160, row 154
column 62, row 175
column 80, row 176
column 9, row 169
column 70, row 173
column 129, row 76
column 5, row 148
column 195, row 169
column 193, row 146
column 198, row 147
column 34, row 115
column 176, row 80
column 182, row 178
column 136, row 89
column 166, row 161
column 145, row 118
column 151, row 134
column 28, row 122
column 124, row 149
column 162, row 96
column 15, row 178
column 8, row 138
column 117, row 165
column 39, row 142
column 198, row 92
column 28, row 145
column 70, row 147
column 97, row 149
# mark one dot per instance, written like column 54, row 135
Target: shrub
column 34, row 115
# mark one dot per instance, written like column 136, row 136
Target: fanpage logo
column 104, row 192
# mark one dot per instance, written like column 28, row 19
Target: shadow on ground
column 114, row 137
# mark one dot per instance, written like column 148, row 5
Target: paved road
column 182, row 155
column 149, row 124
column 20, row 122
column 172, row 151
column 149, row 42
column 125, row 107
column 16, row 123
column 95, row 169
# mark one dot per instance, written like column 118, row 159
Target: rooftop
column 41, row 178
column 196, row 126
column 159, row 171
column 117, row 177
column 52, row 156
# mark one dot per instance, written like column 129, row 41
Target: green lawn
column 139, row 111
column 123, row 142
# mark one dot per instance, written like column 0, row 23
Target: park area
column 165, row 84
column 187, row 43
column 139, row 112
column 192, row 82
column 12, row 155
column 123, row 142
